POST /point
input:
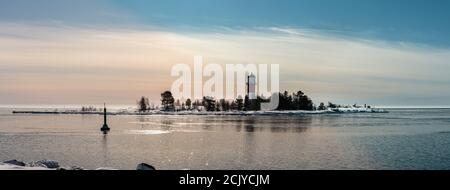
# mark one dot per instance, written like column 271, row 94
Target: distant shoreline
column 124, row 106
column 241, row 113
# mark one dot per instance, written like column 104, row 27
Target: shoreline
column 239, row 113
column 54, row 165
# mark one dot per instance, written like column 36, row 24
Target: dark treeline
column 89, row 109
column 144, row 105
column 295, row 101
column 287, row 101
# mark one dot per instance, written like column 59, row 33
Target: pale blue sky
column 421, row 21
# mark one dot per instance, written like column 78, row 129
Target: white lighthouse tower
column 251, row 86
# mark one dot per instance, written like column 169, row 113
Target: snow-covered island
column 340, row 110
column 288, row 104
column 262, row 112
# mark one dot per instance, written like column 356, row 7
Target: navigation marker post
column 105, row 129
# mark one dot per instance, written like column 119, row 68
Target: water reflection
column 143, row 121
column 333, row 141
column 249, row 149
column 255, row 124
column 226, row 123
column 105, row 152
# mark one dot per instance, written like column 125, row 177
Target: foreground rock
column 15, row 162
column 144, row 166
column 54, row 165
column 70, row 168
column 4, row 166
column 44, row 163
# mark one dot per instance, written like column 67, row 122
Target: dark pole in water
column 105, row 129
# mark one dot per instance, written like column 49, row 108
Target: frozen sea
column 400, row 139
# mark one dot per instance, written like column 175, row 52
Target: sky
column 379, row 52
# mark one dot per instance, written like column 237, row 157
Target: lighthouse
column 251, row 93
column 251, row 86
column 105, row 129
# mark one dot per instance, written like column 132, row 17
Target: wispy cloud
column 63, row 11
column 72, row 64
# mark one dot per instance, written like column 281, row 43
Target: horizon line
column 124, row 106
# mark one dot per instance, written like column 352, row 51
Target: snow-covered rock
column 4, row 166
column 44, row 163
column 356, row 110
column 54, row 165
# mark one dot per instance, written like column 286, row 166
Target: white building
column 251, row 86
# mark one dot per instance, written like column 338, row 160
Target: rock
column 45, row 163
column 105, row 168
column 70, row 168
column 144, row 166
column 15, row 162
column 76, row 168
column 35, row 164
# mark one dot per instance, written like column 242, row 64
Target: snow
column 348, row 109
column 356, row 110
column 42, row 165
column 274, row 112
column 148, row 132
column 4, row 166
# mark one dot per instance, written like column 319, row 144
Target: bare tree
column 143, row 104
column 188, row 104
